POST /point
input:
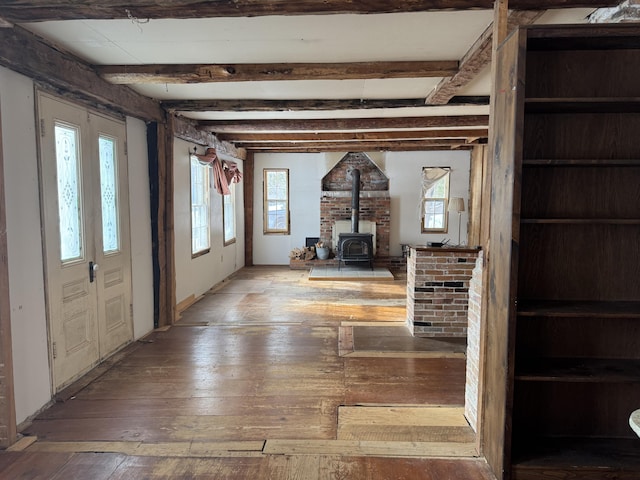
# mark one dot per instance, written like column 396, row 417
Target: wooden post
column 160, row 151
column 500, row 21
column 248, row 180
column 169, row 274
column 476, row 201
column 500, row 27
column 8, row 429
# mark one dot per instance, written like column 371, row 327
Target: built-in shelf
column 584, row 221
column 593, row 309
column 582, row 162
column 565, row 225
column 605, row 454
column 597, row 370
column 583, row 105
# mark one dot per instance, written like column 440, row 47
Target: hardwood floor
column 249, row 385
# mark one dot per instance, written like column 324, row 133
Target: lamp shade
column 456, row 204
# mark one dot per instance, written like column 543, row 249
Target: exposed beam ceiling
column 341, row 78
column 18, row 11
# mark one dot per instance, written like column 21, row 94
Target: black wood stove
column 355, row 247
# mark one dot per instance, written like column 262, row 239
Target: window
column 229, row 215
column 107, row 149
column 200, row 211
column 276, row 201
column 435, row 197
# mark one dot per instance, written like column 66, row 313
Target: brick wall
column 438, row 291
column 339, row 178
column 375, row 204
column 375, row 207
column 471, row 392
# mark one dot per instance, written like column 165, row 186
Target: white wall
column 140, row 213
column 26, row 277
column 305, row 176
column 194, row 276
column 404, row 170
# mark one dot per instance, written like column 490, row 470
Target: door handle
column 93, row 268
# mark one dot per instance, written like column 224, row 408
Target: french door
column 84, row 193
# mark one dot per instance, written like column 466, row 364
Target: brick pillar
column 471, row 393
column 438, row 290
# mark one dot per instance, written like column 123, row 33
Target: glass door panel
column 69, row 192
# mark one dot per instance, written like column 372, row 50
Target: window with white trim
column 200, row 208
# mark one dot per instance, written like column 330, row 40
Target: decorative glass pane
column 200, row 212
column 229, row 216
column 69, row 209
column 109, row 195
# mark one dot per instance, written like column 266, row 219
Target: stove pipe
column 355, row 200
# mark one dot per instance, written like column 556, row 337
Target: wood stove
column 355, row 246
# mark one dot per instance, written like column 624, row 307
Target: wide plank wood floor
column 249, row 384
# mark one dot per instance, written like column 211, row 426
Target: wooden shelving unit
column 565, row 244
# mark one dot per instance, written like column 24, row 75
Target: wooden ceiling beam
column 476, row 59
column 249, row 138
column 357, row 144
column 344, row 124
column 18, row 11
column 250, row 105
column 359, row 147
column 258, row 72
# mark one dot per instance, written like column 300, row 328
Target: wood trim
column 35, row 11
column 248, row 191
column 184, row 304
column 25, row 53
column 256, row 72
column 8, row 426
column 454, row 121
column 257, row 105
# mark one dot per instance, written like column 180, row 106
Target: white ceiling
column 283, row 39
